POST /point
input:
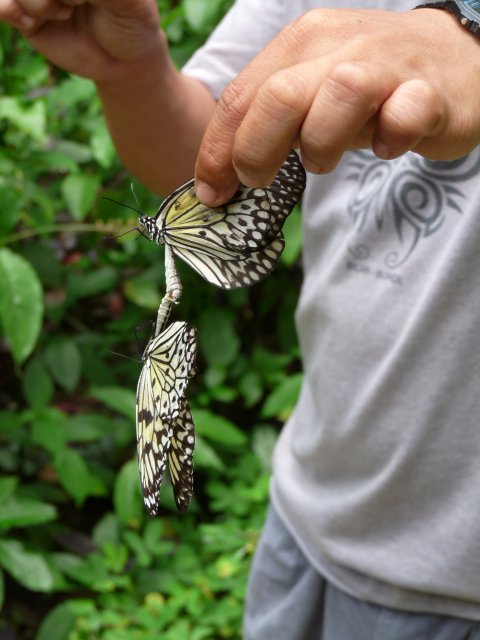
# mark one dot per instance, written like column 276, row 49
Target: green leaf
column 7, row 487
column 282, row 400
column 58, row 624
column 10, row 206
column 29, row 118
column 48, row 430
column 292, row 231
column 70, row 92
column 143, row 293
column 217, row 428
column 127, row 496
column 64, row 362
column 75, row 476
column 21, row 304
column 217, row 336
column 37, row 386
column 25, row 512
column 93, row 282
column 87, row 427
column 79, row 191
column 102, row 146
column 117, row 398
column 75, row 153
column 27, row 567
column 107, row 530
column 206, row 456
column 201, row 15
column 250, row 386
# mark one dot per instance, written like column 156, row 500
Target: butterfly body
column 235, row 244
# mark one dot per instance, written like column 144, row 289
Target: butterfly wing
column 239, row 230
column 180, row 456
column 154, row 438
column 163, row 418
column 235, row 274
column 169, row 359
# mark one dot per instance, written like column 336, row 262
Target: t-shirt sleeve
column 245, row 30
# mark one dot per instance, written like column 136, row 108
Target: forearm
column 157, row 118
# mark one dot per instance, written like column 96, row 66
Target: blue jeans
column 288, row 599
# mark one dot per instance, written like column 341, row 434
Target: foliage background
column 79, row 557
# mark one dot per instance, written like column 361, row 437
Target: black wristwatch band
column 467, row 12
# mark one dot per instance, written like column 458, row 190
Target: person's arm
column 335, row 80
column 156, row 115
column 157, row 118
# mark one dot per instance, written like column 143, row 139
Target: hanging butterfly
column 161, row 441
column 169, row 361
column 164, row 424
column 236, row 244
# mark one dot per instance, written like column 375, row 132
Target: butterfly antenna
column 136, row 199
column 127, row 206
column 122, row 355
column 122, row 204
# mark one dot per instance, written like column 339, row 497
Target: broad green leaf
column 75, row 476
column 206, row 456
column 127, row 496
column 25, row 512
column 10, row 424
column 27, row 567
column 292, row 231
column 76, row 152
column 87, row 427
column 48, row 430
column 143, row 293
column 10, row 206
column 283, row 398
column 64, row 362
column 251, row 388
column 92, row 283
column 201, row 15
column 102, row 146
column 58, row 624
column 21, row 304
column 216, row 428
column 71, row 91
column 117, row 398
column 7, row 487
column 29, row 118
column 45, row 261
column 107, row 530
column 217, row 336
column 80, row 191
column 37, row 385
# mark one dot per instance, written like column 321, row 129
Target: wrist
column 145, row 69
column 467, row 12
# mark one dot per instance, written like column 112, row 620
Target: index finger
column 216, row 180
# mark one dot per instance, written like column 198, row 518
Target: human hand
column 91, row 38
column 335, row 80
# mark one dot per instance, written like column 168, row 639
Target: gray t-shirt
column 377, row 473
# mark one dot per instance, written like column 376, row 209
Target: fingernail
column 64, row 13
column 248, row 181
column 310, row 165
column 382, row 150
column 205, row 193
column 26, row 21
